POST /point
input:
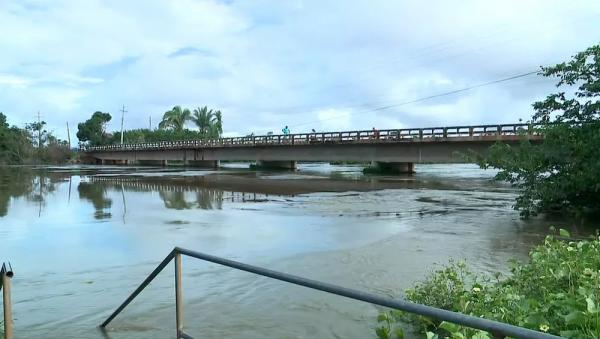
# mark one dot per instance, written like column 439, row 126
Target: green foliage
column 209, row 122
column 93, row 130
column 560, row 172
column 32, row 144
column 172, row 127
column 175, row 119
column 15, row 145
column 146, row 135
column 556, row 292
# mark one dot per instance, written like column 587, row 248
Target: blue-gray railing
column 496, row 328
column 6, row 274
column 365, row 136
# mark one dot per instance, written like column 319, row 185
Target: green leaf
column 575, row 318
column 399, row 333
column 481, row 335
column 382, row 317
column 431, row 335
column 570, row 334
column 382, row 333
column 535, row 320
column 450, row 327
column 591, row 306
column 564, row 233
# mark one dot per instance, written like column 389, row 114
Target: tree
column 3, row 122
column 209, row 122
column 203, row 119
column 15, row 143
column 217, row 125
column 175, row 119
column 93, row 130
column 38, row 132
column 561, row 172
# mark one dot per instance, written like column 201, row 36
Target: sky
column 327, row 65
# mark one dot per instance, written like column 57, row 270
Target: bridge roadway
column 390, row 150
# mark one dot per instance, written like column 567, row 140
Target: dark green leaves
column 559, row 173
column 93, row 131
column 556, row 292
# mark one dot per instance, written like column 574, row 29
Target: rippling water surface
column 81, row 238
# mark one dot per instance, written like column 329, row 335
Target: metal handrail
column 494, row 327
column 6, row 274
column 360, row 136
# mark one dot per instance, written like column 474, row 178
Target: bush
column 557, row 292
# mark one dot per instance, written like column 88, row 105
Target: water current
column 80, row 239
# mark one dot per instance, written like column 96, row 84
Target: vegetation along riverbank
column 557, row 290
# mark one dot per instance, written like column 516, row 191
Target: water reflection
column 23, row 182
column 35, row 186
column 203, row 198
column 96, row 194
column 176, row 195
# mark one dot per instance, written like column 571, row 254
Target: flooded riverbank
column 82, row 238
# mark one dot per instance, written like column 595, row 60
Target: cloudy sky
column 327, row 65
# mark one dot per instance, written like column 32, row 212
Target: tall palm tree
column 175, row 119
column 217, row 125
column 203, row 118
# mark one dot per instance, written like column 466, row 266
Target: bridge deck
column 399, row 146
column 435, row 134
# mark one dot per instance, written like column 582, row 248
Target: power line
column 468, row 88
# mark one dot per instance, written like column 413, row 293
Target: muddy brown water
column 82, row 238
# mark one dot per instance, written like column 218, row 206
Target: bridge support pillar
column 282, row 165
column 121, row 162
column 391, row 167
column 203, row 163
column 150, row 162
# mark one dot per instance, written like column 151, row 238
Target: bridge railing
column 6, row 274
column 497, row 329
column 365, row 136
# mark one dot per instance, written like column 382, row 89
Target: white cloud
column 14, row 81
column 332, row 119
column 266, row 64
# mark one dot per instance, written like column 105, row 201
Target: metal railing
column 498, row 329
column 6, row 274
column 366, row 136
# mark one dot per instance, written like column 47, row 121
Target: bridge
column 394, row 150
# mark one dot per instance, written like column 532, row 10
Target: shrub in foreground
column 557, row 292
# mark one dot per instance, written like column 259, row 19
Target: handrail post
column 8, row 320
column 178, row 296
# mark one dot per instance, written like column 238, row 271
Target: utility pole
column 150, row 119
column 122, row 120
column 39, row 128
column 69, row 135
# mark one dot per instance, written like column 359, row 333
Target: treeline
column 208, row 124
column 30, row 145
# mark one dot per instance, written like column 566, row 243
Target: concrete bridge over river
column 392, row 149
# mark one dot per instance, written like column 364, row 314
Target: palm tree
column 203, row 118
column 175, row 119
column 217, row 125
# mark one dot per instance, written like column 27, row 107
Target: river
column 80, row 239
